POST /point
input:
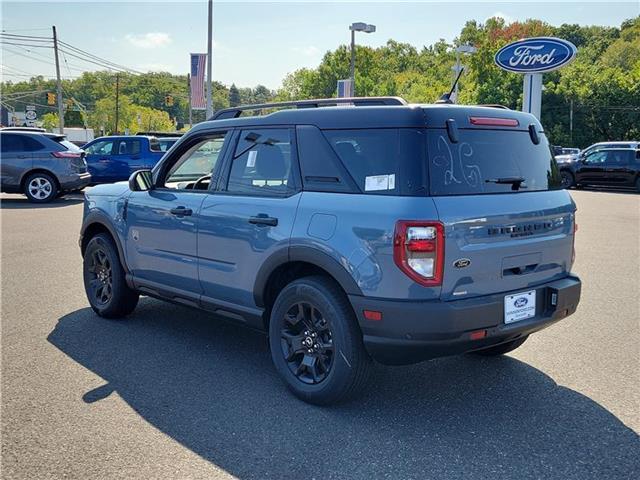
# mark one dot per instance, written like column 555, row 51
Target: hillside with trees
column 600, row 89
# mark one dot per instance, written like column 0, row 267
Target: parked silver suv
column 40, row 165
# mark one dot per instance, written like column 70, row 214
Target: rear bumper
column 411, row 332
column 75, row 182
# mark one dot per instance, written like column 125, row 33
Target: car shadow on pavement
column 20, row 202
column 210, row 385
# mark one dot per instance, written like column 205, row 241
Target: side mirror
column 141, row 181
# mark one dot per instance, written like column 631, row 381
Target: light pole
column 209, row 60
column 356, row 27
column 469, row 49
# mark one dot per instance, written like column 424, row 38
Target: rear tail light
column 66, row 154
column 418, row 250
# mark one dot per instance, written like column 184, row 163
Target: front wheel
column 567, row 179
column 502, row 348
column 104, row 279
column 316, row 344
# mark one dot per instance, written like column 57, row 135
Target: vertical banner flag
column 198, row 61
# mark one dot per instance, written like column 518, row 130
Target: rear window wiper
column 516, row 182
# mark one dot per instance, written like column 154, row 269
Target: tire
column 502, row 348
column 568, row 180
column 318, row 352
column 40, row 188
column 104, row 279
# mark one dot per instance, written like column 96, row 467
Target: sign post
column 533, row 57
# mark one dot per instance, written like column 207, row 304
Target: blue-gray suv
column 349, row 230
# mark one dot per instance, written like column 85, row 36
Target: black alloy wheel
column 101, row 277
column 307, row 343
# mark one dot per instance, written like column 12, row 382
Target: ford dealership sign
column 535, row 55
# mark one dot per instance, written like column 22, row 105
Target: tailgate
column 505, row 242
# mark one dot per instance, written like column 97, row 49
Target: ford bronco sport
column 372, row 230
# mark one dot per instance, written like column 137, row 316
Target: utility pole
column 571, row 123
column 352, row 65
column 190, row 109
column 117, row 100
column 209, row 54
column 58, row 83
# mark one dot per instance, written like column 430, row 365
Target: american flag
column 198, row 101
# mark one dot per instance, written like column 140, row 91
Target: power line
column 97, row 58
column 4, row 42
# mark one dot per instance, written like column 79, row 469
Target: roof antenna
column 446, row 97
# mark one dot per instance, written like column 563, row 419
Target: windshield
column 488, row 161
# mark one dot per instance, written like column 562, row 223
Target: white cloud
column 148, row 40
column 507, row 18
column 309, row 51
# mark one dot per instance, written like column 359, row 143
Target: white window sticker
column 379, row 182
column 251, row 160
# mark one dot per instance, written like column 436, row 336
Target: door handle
column 181, row 211
column 264, row 219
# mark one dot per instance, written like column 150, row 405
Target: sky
column 254, row 42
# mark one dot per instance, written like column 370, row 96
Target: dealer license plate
column 519, row 306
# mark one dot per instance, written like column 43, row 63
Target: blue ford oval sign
column 535, row 55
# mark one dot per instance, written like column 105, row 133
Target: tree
column 234, row 96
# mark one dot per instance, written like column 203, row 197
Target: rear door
column 619, row 167
column 500, row 236
column 250, row 217
column 128, row 158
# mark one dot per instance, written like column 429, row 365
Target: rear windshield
column 483, row 161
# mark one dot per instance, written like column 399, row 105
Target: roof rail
column 235, row 112
column 494, row 105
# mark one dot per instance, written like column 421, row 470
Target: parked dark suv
column 377, row 230
column 614, row 164
column 40, row 165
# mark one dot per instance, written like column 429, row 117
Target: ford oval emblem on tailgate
column 462, row 262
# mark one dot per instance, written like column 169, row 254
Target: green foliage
column 603, row 83
column 234, row 96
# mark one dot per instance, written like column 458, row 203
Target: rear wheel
column 566, row 179
column 316, row 344
column 104, row 279
column 502, row 348
column 40, row 188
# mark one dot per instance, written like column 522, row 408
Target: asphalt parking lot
column 174, row 393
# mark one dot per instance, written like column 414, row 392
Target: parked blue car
column 378, row 231
column 112, row 159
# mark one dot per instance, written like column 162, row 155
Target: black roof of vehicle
column 392, row 115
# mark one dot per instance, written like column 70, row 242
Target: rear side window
column 483, row 161
column 154, row 145
column 129, row 147
column 262, row 163
column 388, row 161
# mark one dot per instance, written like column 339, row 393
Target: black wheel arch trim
column 303, row 253
column 102, row 219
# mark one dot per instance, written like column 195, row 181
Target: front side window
column 103, row 147
column 197, row 163
column 596, row 158
column 262, row 163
